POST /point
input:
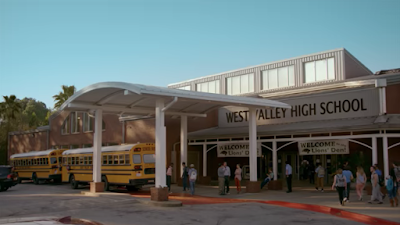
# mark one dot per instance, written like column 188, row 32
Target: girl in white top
column 360, row 182
column 238, row 178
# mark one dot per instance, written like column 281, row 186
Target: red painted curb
column 187, row 199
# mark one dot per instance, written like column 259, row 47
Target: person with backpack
column 192, row 178
column 320, row 171
column 221, row 179
column 339, row 182
column 349, row 177
column 380, row 179
column 184, row 176
column 376, row 192
column 392, row 186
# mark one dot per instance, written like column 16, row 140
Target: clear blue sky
column 47, row 43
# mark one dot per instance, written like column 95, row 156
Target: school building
column 340, row 110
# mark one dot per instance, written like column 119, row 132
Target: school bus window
column 110, row 159
column 59, row 160
column 40, row 161
column 81, row 160
column 104, row 160
column 90, row 160
column 85, row 160
column 46, row 161
column 29, row 162
column 73, row 161
column 53, row 160
column 116, row 159
column 137, row 159
column 149, row 158
column 69, row 160
column 64, row 161
column 127, row 159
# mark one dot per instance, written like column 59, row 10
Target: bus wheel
column 19, row 180
column 106, row 184
column 73, row 182
column 35, row 179
column 132, row 188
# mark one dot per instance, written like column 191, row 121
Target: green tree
column 67, row 91
column 9, row 109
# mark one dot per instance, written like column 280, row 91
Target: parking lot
column 29, row 200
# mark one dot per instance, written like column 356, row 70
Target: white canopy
column 137, row 99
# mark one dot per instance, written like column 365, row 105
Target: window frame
column 74, row 120
column 65, row 126
column 314, row 62
column 265, row 77
column 217, row 86
column 230, row 80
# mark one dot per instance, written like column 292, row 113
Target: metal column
column 97, row 144
column 160, row 146
column 253, row 144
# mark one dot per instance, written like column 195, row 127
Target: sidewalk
column 305, row 195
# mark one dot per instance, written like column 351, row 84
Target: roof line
column 264, row 64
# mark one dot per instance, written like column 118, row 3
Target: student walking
column 360, row 182
column 349, row 177
column 238, row 178
column 184, row 176
column 392, row 185
column 227, row 176
column 192, row 178
column 320, row 171
column 288, row 177
column 339, row 182
column 221, row 179
column 169, row 175
column 376, row 192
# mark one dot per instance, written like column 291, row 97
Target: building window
column 210, row 87
column 185, row 88
column 74, row 146
column 319, row 70
column 277, row 78
column 240, row 84
column 65, row 126
column 88, row 123
column 74, row 122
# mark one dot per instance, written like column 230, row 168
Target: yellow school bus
column 130, row 165
column 38, row 165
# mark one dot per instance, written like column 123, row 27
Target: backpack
column 340, row 180
column 389, row 185
column 193, row 175
column 321, row 171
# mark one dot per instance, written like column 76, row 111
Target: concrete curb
column 170, row 203
column 27, row 219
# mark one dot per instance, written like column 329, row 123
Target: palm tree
column 67, row 91
column 9, row 108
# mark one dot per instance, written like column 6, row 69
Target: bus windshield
column 149, row 158
column 53, row 160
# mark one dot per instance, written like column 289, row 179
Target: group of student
column 188, row 174
column 224, row 174
column 343, row 178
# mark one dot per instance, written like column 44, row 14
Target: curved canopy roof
column 103, row 149
column 137, row 99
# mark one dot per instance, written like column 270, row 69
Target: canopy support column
column 275, row 160
column 204, row 160
column 385, row 156
column 184, row 142
column 374, row 151
column 253, row 186
column 97, row 185
column 160, row 191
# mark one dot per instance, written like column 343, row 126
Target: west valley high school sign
column 324, row 147
column 349, row 104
